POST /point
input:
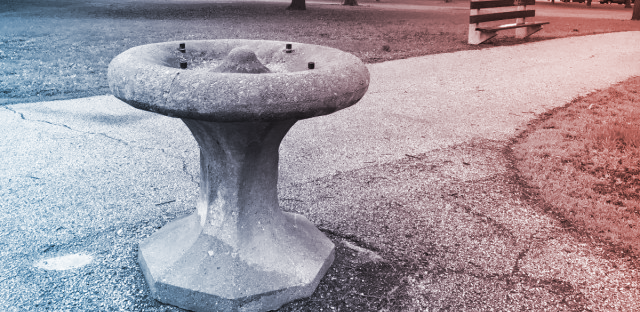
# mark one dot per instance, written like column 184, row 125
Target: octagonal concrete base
column 239, row 251
column 187, row 268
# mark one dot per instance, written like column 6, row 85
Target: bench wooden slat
column 511, row 26
column 476, row 5
column 474, row 19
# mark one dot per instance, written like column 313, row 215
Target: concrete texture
column 416, row 178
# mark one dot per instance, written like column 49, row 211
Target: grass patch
column 60, row 49
column 585, row 160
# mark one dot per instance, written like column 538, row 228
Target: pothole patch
column 67, row 262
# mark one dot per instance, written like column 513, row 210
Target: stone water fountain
column 238, row 251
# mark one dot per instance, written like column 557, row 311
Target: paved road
column 416, row 170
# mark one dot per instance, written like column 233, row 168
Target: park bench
column 486, row 12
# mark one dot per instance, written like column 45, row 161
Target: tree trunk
column 588, row 3
column 350, row 2
column 627, row 3
column 636, row 11
column 297, row 5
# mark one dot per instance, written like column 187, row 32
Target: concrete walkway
column 415, row 173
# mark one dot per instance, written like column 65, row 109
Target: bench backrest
column 476, row 17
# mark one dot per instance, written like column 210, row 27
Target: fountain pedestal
column 239, row 251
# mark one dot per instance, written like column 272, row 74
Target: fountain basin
column 149, row 77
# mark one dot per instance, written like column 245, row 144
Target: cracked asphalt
column 415, row 184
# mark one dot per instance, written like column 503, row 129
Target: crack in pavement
column 184, row 168
column 63, row 125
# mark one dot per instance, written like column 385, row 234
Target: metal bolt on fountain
column 238, row 251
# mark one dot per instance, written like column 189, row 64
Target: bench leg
column 478, row 37
column 525, row 32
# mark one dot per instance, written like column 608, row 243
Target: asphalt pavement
column 417, row 172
